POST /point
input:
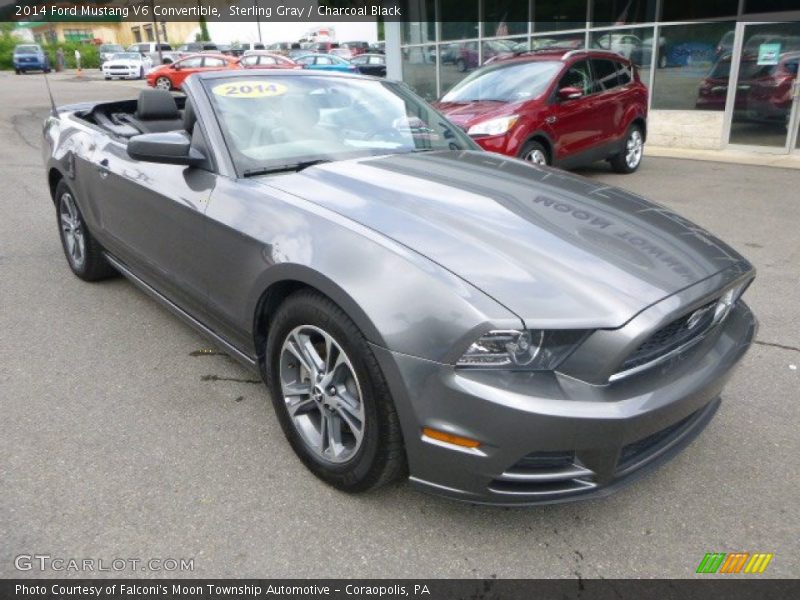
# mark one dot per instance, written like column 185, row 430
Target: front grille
column 672, row 336
column 545, row 474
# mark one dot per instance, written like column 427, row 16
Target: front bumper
column 126, row 73
column 596, row 437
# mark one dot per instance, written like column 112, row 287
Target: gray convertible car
column 495, row 331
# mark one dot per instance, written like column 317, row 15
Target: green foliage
column 90, row 57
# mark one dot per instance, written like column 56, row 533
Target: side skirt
column 243, row 358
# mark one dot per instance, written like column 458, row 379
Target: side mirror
column 569, row 93
column 171, row 148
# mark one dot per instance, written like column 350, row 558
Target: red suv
column 555, row 108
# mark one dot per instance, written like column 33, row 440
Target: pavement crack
column 774, row 345
column 234, row 379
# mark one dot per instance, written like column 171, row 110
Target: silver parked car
column 496, row 331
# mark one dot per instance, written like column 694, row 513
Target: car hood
column 556, row 249
column 467, row 114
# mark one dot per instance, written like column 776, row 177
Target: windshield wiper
column 298, row 166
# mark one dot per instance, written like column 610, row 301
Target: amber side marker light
column 450, row 438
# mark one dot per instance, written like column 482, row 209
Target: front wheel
column 330, row 395
column 461, row 65
column 630, row 158
column 141, row 72
column 163, row 83
column 84, row 254
column 535, row 153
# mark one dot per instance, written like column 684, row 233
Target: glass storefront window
column 554, row 15
column 456, row 62
column 459, row 19
column 687, row 56
column 505, row 17
column 767, row 70
column 635, row 44
column 419, row 70
column 564, row 41
column 419, row 23
column 621, row 12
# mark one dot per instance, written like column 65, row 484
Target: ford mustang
column 494, row 330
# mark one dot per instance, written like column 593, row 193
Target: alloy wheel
column 633, row 149
column 536, row 156
column 322, row 394
column 163, row 83
column 72, row 230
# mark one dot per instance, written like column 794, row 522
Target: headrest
column 189, row 117
column 156, row 104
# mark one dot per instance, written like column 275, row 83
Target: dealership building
column 720, row 73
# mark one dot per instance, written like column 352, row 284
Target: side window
column 358, row 60
column 790, row 66
column 577, row 76
column 267, row 60
column 249, row 61
column 605, row 75
column 324, row 60
column 624, row 74
column 375, row 60
column 213, row 62
column 191, row 63
column 144, row 48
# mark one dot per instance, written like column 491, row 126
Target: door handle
column 550, row 120
column 103, row 168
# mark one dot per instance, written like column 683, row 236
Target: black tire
column 93, row 266
column 17, row 71
column 107, row 78
column 141, row 72
column 620, row 162
column 164, row 83
column 381, row 458
column 532, row 149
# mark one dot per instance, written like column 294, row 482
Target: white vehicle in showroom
column 127, row 65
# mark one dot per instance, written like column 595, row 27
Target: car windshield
column 280, row 122
column 126, row 56
column 505, row 82
column 26, row 49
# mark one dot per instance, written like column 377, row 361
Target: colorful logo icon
column 734, row 562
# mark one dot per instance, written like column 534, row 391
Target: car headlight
column 497, row 126
column 530, row 349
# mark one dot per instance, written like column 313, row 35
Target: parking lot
column 124, row 434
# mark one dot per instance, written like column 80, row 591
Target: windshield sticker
column 249, row 89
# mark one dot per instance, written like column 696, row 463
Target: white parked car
column 127, row 65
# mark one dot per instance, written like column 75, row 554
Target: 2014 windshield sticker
column 249, row 89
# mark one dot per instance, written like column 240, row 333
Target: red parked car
column 171, row 77
column 266, row 60
column 764, row 92
column 555, row 108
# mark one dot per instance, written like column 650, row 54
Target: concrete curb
column 743, row 157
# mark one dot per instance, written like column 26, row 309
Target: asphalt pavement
column 122, row 436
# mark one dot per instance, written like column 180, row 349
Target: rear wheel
column 84, row 254
column 330, row 395
column 163, row 83
column 534, row 152
column 17, row 71
column 630, row 158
